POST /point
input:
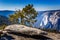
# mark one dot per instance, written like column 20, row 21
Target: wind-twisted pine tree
column 30, row 14
column 27, row 15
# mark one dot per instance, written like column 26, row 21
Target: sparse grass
column 2, row 27
column 51, row 31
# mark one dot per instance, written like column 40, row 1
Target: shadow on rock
column 6, row 37
column 37, row 37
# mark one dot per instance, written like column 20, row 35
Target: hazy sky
column 38, row 4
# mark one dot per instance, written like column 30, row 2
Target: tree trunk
column 22, row 21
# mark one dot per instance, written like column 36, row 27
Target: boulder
column 1, row 32
column 16, row 28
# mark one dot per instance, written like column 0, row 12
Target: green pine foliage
column 27, row 16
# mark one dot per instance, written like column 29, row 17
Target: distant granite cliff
column 48, row 20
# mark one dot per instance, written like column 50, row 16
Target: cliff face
column 48, row 20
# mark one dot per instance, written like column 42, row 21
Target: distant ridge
column 49, row 10
column 6, row 12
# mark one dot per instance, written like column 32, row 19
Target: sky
column 39, row 5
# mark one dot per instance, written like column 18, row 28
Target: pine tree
column 30, row 14
column 27, row 15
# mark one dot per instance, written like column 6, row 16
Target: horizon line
column 36, row 10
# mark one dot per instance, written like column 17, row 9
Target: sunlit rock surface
column 23, row 29
column 24, row 32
